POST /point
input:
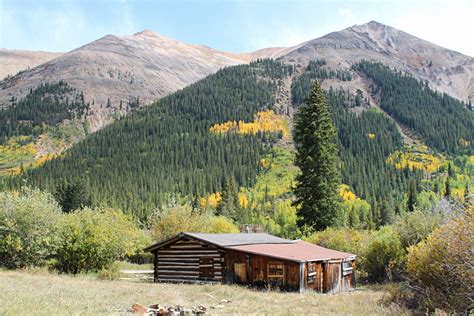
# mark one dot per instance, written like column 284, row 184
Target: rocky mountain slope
column 113, row 71
column 445, row 70
column 13, row 61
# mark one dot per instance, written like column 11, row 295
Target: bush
column 110, row 273
column 173, row 219
column 221, row 224
column 384, row 255
column 416, row 226
column 29, row 228
column 342, row 239
column 92, row 239
column 440, row 268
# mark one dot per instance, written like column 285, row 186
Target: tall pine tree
column 317, row 189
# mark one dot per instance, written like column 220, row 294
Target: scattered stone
column 140, row 309
column 161, row 310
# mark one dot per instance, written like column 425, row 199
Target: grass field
column 42, row 293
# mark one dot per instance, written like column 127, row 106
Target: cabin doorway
column 240, row 272
column 206, row 267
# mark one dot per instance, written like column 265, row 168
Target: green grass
column 42, row 293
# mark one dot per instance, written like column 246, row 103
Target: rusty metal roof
column 299, row 251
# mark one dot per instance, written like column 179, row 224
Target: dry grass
column 49, row 294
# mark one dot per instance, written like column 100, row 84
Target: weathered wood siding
column 261, row 271
column 314, row 276
column 329, row 276
column 188, row 260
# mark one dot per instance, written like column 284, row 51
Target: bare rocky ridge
column 149, row 66
column 13, row 61
column 145, row 66
column 445, row 70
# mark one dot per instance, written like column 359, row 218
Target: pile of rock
column 162, row 310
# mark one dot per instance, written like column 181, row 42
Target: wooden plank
column 186, row 264
column 189, row 256
column 176, row 259
column 188, row 277
column 180, row 251
column 188, row 280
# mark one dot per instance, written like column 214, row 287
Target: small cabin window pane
column 346, row 267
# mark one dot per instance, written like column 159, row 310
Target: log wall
column 188, row 260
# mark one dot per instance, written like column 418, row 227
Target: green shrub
column 384, row 255
column 92, row 239
column 221, row 224
column 342, row 239
column 29, row 228
column 415, row 226
column 440, row 268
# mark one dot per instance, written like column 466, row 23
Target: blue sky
column 238, row 26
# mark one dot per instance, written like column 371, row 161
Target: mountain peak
column 146, row 32
column 374, row 23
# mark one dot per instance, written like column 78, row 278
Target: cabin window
column 276, row 273
column 312, row 270
column 346, row 267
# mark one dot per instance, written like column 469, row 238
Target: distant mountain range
column 146, row 66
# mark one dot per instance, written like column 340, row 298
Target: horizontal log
column 179, row 276
column 178, row 259
column 196, row 263
column 189, row 268
column 178, row 272
column 177, row 280
column 188, row 256
column 179, row 251
column 182, row 274
column 188, row 246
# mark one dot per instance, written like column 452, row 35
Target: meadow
column 44, row 293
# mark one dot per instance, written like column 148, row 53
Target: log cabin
column 254, row 259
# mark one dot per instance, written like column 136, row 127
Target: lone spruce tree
column 317, row 188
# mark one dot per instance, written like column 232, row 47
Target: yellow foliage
column 14, row 148
column 212, row 200
column 371, row 135
column 442, row 264
column 416, row 160
column 265, row 121
column 264, row 163
column 463, row 142
column 346, row 193
column 458, row 193
column 42, row 159
column 12, row 171
column 221, row 224
column 243, row 200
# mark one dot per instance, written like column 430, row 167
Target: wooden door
column 206, row 267
column 240, row 272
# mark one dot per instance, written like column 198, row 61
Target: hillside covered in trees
column 167, row 149
column 188, row 145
